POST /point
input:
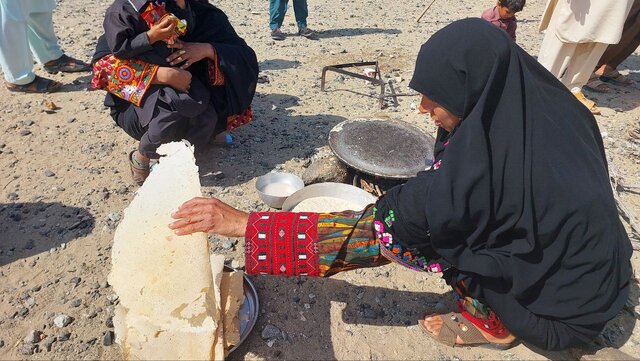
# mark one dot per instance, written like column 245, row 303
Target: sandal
column 66, row 64
column 455, row 325
column 614, row 77
column 634, row 135
column 590, row 104
column 596, row 85
column 139, row 171
column 39, row 85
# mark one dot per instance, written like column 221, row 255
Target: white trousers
column 26, row 32
column 571, row 63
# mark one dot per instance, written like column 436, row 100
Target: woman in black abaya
column 517, row 212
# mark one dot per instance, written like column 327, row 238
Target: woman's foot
column 39, row 85
column 457, row 330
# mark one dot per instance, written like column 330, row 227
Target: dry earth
column 65, row 182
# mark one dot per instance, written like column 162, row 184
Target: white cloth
column 26, row 28
column 571, row 63
column 586, row 21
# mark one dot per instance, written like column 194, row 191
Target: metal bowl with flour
column 331, row 196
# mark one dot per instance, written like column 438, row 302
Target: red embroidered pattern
column 128, row 79
column 238, row 120
column 282, row 243
column 216, row 77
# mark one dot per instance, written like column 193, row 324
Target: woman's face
column 441, row 117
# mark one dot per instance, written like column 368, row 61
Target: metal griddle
column 383, row 148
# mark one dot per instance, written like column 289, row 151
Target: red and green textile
column 126, row 79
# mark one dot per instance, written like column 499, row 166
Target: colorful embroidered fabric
column 478, row 313
column 126, row 79
column 398, row 253
column 310, row 244
column 346, row 242
column 216, row 77
column 238, row 120
column 282, row 243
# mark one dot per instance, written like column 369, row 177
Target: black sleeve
column 122, row 38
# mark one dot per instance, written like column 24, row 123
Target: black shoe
column 306, row 32
column 277, row 34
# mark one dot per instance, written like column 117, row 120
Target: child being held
column 503, row 15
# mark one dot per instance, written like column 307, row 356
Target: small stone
column 34, row 336
column 329, row 169
column 75, row 281
column 1, row 343
column 311, row 295
column 25, row 132
column 48, row 342
column 104, row 284
column 227, row 244
column 62, row 320
column 36, row 288
column 95, row 286
column 28, row 349
column 113, row 298
column 12, row 196
column 114, row 217
column 30, row 302
column 29, row 122
column 76, row 303
column 109, row 322
column 270, row 332
column 108, row 338
column 49, row 173
column 23, row 311
column 71, row 120
column 65, row 337
column 307, row 306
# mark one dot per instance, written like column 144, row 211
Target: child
column 503, row 15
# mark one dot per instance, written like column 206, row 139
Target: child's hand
column 163, row 29
column 178, row 79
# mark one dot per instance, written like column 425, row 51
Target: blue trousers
column 278, row 8
column 26, row 30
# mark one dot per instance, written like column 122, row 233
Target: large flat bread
column 168, row 305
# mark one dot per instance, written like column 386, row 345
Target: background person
column 26, row 31
column 277, row 11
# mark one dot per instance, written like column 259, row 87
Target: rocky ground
column 65, row 182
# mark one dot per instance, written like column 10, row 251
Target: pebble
column 1, row 343
column 25, row 132
column 48, row 342
column 28, row 349
column 12, row 196
column 108, row 338
column 109, row 322
column 34, row 336
column 62, row 320
column 227, row 244
column 113, row 298
column 23, row 311
column 114, row 217
column 219, row 175
column 29, row 122
column 65, row 337
column 76, row 303
column 75, row 281
column 270, row 332
column 71, row 120
column 49, row 173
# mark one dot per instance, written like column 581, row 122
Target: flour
column 325, row 205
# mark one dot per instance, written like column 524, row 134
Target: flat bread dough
column 168, row 286
column 325, row 205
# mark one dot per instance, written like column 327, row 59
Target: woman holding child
column 516, row 213
column 173, row 70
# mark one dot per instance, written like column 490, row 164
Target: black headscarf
column 521, row 200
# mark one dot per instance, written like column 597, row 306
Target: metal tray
column 384, row 148
column 249, row 311
column 329, row 189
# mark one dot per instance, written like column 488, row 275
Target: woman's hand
column 209, row 215
column 189, row 53
column 178, row 79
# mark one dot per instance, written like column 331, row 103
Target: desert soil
column 65, row 181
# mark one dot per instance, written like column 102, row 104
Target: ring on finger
column 182, row 52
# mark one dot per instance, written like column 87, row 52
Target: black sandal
column 39, row 85
column 66, row 64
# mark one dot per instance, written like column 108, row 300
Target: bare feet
column 433, row 324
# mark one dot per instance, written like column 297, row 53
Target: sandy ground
column 65, row 182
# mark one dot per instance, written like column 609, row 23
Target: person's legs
column 555, row 55
column 277, row 11
column 629, row 42
column 42, row 38
column 15, row 57
column 581, row 64
column 301, row 12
